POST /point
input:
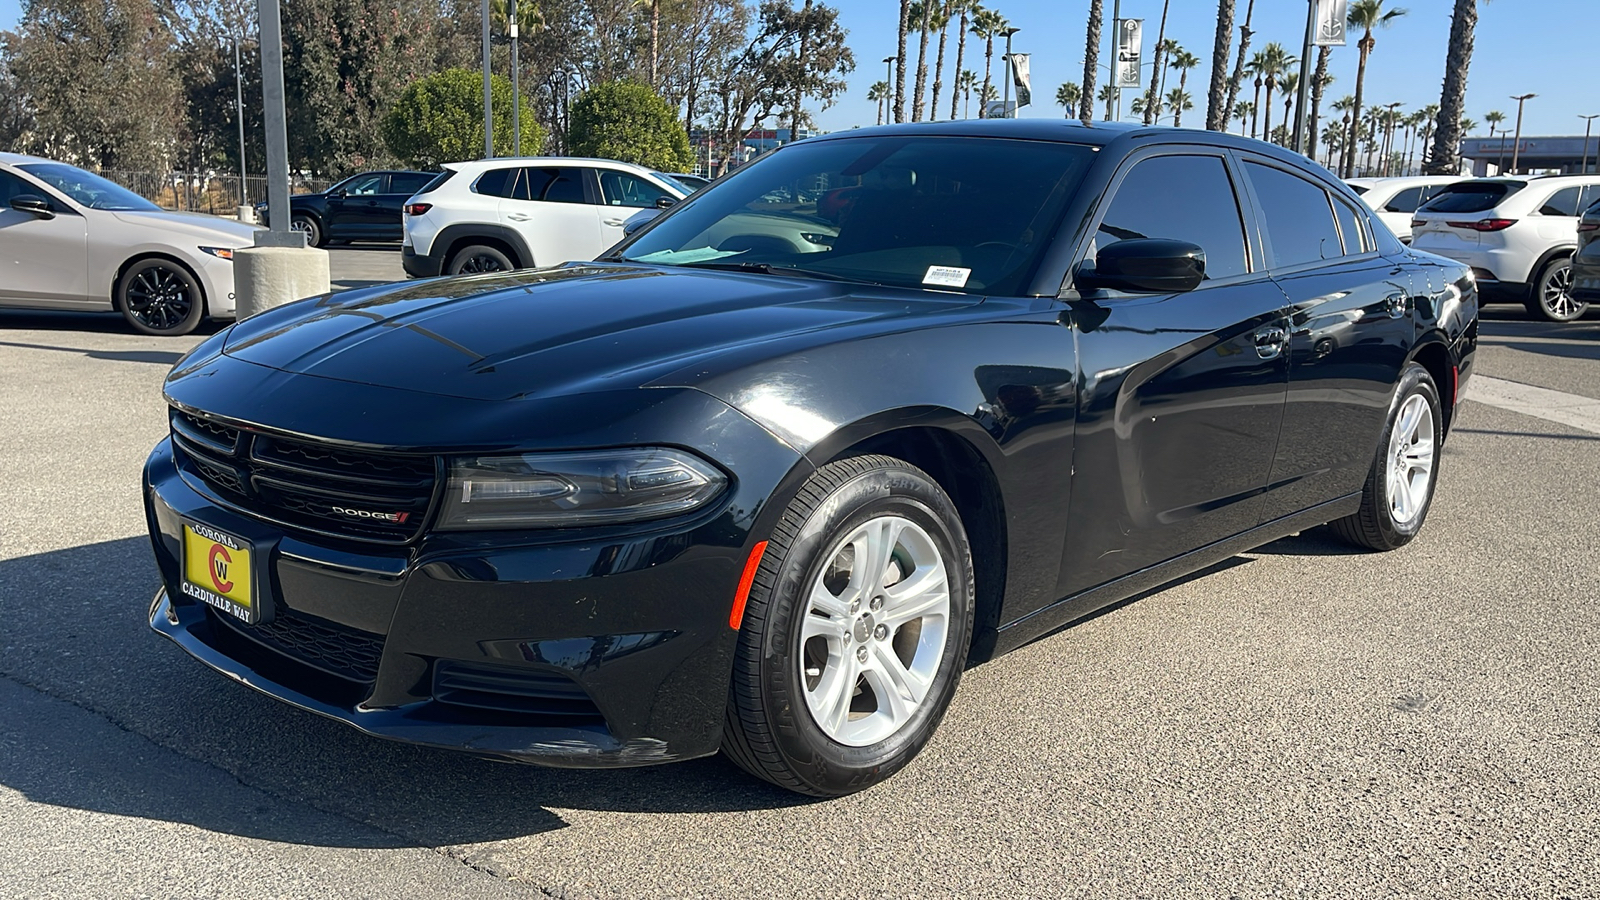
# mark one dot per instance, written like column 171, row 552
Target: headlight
column 219, row 252
column 556, row 490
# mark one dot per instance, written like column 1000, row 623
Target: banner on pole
column 1129, row 35
column 1331, row 17
column 1020, row 77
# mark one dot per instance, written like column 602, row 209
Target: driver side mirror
column 1144, row 266
column 341, row 193
column 34, row 205
column 666, row 202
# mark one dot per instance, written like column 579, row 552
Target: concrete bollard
column 264, row 277
column 246, row 214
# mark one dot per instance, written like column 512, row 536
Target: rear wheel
column 158, row 296
column 479, row 258
column 1551, row 295
column 308, row 227
column 1399, row 488
column 855, row 631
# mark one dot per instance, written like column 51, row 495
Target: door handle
column 1270, row 341
column 518, row 217
column 615, row 223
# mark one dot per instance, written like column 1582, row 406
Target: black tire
column 312, row 229
column 1374, row 525
column 160, row 297
column 476, row 259
column 770, row 731
column 1550, row 295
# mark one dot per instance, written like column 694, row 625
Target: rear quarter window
column 1470, row 197
column 1562, row 203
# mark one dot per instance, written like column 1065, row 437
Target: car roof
column 17, row 159
column 478, row 165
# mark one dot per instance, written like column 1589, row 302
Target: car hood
column 224, row 232
column 578, row 328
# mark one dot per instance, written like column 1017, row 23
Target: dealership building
column 1490, row 156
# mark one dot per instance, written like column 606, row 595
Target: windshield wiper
column 762, row 268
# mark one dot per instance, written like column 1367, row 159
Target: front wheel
column 1551, row 296
column 1399, row 488
column 308, row 227
column 160, row 297
column 477, row 259
column 855, row 632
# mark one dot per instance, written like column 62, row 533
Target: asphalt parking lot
column 1300, row 721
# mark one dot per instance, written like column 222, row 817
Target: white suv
column 1517, row 234
column 1393, row 200
column 498, row 214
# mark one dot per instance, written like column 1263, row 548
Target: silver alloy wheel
column 1555, row 294
column 1411, row 449
column 877, row 617
column 159, row 298
column 302, row 225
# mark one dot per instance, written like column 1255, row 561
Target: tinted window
column 1591, row 196
column 1429, row 192
column 435, row 181
column 553, row 185
column 947, row 213
column 1562, row 203
column 365, row 185
column 88, row 189
column 1406, row 201
column 1298, row 218
column 1184, row 198
column 408, row 184
column 1471, row 196
column 496, row 182
column 1349, row 227
column 1359, row 189
column 627, row 189
column 12, row 186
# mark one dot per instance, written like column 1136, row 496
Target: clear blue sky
column 1522, row 46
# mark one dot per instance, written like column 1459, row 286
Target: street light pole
column 238, row 99
column 1588, row 121
column 1116, row 61
column 1516, row 142
column 1300, row 118
column 1005, row 102
column 516, row 97
column 888, row 62
column 277, row 132
column 488, row 96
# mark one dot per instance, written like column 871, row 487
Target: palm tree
column 880, row 92
column 1108, row 95
column 1254, row 69
column 1431, row 112
column 987, row 24
column 965, row 8
column 1183, row 61
column 965, row 83
column 1366, row 15
column 921, row 18
column 1148, row 108
column 1494, row 117
column 941, row 21
column 1343, row 105
column 900, row 64
column 1319, row 82
column 1216, row 116
column 1275, row 60
column 1332, row 137
column 1243, row 112
column 1068, row 96
column 990, row 94
column 1467, row 126
column 1414, row 122
column 1239, row 67
column 1179, row 102
column 1091, row 59
column 1167, row 52
column 1290, row 84
column 1453, row 97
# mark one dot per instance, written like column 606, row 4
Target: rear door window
column 1184, row 198
column 1406, row 201
column 1562, row 203
column 1298, row 217
column 553, row 184
column 1471, row 196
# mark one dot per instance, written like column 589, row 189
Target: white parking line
column 1543, row 403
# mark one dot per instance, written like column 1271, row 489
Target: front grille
column 369, row 496
column 329, row 646
column 540, row 692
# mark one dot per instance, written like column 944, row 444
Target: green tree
column 97, row 77
column 439, row 119
column 626, row 120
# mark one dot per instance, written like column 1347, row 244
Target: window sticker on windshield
column 947, row 276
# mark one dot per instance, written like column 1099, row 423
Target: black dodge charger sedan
column 369, row 206
column 767, row 476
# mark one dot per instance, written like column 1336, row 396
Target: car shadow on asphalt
column 94, row 322
column 161, row 357
column 73, row 626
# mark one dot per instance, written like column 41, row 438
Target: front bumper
column 590, row 653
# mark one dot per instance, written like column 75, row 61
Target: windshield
column 950, row 213
column 1471, row 196
column 88, row 189
column 673, row 180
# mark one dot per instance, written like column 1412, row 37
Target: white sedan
column 72, row 240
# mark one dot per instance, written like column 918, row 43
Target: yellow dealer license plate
column 217, row 570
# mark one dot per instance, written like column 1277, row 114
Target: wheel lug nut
column 847, row 637
column 877, row 603
column 861, row 654
column 881, row 632
column 855, row 605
